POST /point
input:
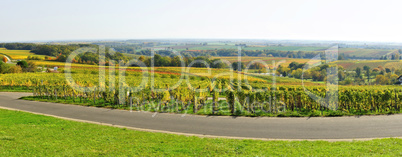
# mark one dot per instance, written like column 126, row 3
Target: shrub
column 15, row 69
column 95, row 72
column 32, row 67
column 4, row 59
column 4, row 68
column 376, row 69
column 23, row 64
column 34, row 58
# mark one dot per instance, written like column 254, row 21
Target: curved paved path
column 327, row 128
column 8, row 58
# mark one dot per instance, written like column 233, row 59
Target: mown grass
column 15, row 89
column 25, row 134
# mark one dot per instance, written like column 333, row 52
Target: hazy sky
column 359, row 20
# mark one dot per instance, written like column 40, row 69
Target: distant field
column 347, row 64
column 213, row 47
column 19, row 54
column 279, row 48
column 353, row 64
column 368, row 53
column 232, row 46
column 352, row 52
column 210, row 73
column 268, row 60
column 204, row 72
column 131, row 55
column 288, row 48
column 60, row 64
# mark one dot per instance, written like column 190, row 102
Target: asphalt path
column 265, row 128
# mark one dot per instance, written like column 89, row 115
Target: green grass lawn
column 15, row 89
column 26, row 134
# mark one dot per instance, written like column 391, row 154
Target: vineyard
column 248, row 101
column 200, row 91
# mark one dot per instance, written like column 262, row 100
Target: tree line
column 357, row 76
column 61, row 52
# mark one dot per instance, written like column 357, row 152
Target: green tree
column 365, row 68
column 358, row 72
column 176, row 62
column 32, row 67
column 235, row 66
column 341, row 57
column 341, row 75
column 23, row 64
column 218, row 63
column 388, row 70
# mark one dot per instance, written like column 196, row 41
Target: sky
column 346, row 20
